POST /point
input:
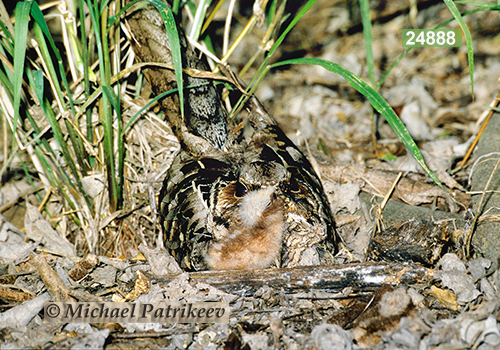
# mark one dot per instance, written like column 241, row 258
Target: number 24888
column 432, row 38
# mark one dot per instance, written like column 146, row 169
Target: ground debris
column 412, row 240
column 400, row 309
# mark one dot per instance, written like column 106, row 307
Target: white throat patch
column 253, row 205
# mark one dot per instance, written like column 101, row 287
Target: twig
column 365, row 277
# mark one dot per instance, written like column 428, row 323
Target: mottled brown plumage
column 230, row 202
column 260, row 205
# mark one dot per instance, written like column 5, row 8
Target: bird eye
column 294, row 185
column 240, row 190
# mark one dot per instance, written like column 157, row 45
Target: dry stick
column 8, row 293
column 46, row 198
column 386, row 199
column 55, row 286
column 362, row 278
column 378, row 218
column 470, row 232
column 483, row 127
column 389, row 193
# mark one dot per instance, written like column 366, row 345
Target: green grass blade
column 377, row 101
column 68, row 155
column 482, row 5
column 175, row 7
column 112, row 97
column 6, row 82
column 23, row 10
column 43, row 36
column 468, row 39
column 105, row 110
column 37, row 15
column 38, row 84
column 103, row 5
column 115, row 103
column 175, row 46
column 173, row 35
column 86, row 75
column 146, row 107
column 59, row 137
column 367, row 34
column 8, row 71
column 150, row 103
column 29, row 177
column 271, row 12
column 53, row 175
column 115, row 19
column 47, row 59
column 199, row 17
column 9, row 43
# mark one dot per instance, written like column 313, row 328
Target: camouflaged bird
column 229, row 202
